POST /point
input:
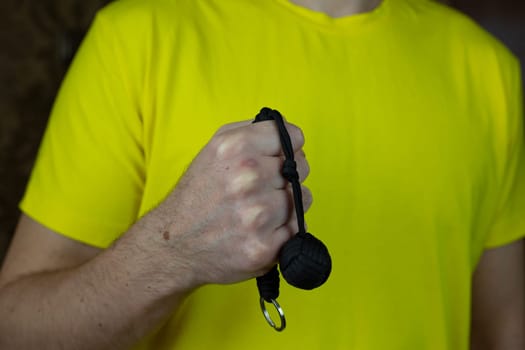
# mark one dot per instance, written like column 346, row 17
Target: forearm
column 504, row 330
column 109, row 302
column 511, row 339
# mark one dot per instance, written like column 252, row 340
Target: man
column 413, row 125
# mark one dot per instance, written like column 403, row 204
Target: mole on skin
column 166, row 235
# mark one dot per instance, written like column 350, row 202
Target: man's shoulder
column 459, row 28
column 163, row 17
column 172, row 10
column 136, row 12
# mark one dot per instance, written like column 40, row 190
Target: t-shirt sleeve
column 88, row 178
column 509, row 221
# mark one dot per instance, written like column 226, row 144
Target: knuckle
column 217, row 144
column 243, row 183
column 255, row 217
column 249, row 163
column 229, row 144
column 286, row 232
column 256, row 255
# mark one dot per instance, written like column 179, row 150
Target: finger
column 263, row 174
column 303, row 168
column 270, row 168
column 232, row 126
column 307, row 198
column 267, row 141
column 286, row 231
column 307, row 203
column 265, row 214
column 284, row 214
column 280, row 236
column 258, row 139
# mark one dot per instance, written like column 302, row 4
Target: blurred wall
column 504, row 18
column 37, row 40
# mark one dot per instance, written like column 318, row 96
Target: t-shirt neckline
column 337, row 23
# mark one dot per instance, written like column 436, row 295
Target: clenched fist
column 232, row 210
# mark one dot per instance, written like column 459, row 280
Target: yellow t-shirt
column 413, row 124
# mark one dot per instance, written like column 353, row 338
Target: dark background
column 38, row 39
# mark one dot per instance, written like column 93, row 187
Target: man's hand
column 232, row 210
column 224, row 222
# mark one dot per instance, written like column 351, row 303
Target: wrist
column 144, row 254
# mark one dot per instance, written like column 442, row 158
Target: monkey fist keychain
column 304, row 260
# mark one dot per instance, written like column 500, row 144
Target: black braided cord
column 304, row 260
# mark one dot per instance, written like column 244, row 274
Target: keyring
column 268, row 317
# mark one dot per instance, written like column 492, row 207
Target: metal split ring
column 269, row 318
